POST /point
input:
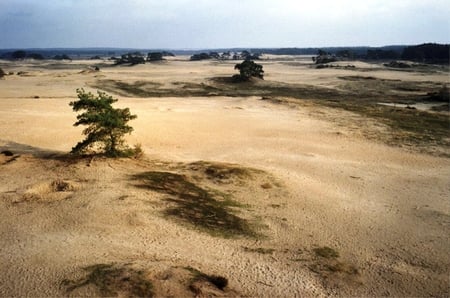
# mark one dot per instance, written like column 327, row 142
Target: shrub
column 2, row 73
column 106, row 126
column 248, row 69
column 62, row 57
column 201, row 56
column 155, row 56
column 131, row 58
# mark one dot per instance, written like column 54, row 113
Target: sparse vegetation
column 112, row 280
column 208, row 210
column 106, row 126
column 358, row 94
column 2, row 73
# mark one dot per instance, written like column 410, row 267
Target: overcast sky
column 180, row 24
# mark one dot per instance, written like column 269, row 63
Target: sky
column 208, row 24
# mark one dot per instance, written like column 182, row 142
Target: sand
column 318, row 184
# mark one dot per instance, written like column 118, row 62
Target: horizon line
column 212, row 48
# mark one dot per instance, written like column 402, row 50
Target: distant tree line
column 21, row 54
column 424, row 53
column 135, row 58
column 227, row 55
column 427, row 53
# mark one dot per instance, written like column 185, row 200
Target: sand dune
column 280, row 199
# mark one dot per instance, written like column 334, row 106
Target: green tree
column 155, row 56
column 106, row 126
column 20, row 54
column 248, row 69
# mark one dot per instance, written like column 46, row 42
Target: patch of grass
column 412, row 127
column 326, row 252
column 222, row 172
column 342, row 267
column 112, row 280
column 196, row 206
column 61, row 185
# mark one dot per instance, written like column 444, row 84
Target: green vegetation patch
column 113, row 280
column 208, row 210
column 222, row 172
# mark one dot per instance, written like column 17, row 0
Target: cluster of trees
column 62, row 57
column 324, row 57
column 244, row 55
column 135, row 58
column 427, row 53
column 342, row 55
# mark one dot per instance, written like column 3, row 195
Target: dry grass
column 112, row 280
column 204, row 209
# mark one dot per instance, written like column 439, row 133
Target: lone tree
column 248, row 69
column 106, row 126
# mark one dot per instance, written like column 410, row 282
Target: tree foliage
column 20, row 54
column 131, row 59
column 106, row 126
column 248, row 69
column 155, row 56
column 428, row 52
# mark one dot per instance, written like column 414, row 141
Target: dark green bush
column 248, row 69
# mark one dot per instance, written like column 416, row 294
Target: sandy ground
column 385, row 211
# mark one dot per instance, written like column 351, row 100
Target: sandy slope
column 384, row 210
